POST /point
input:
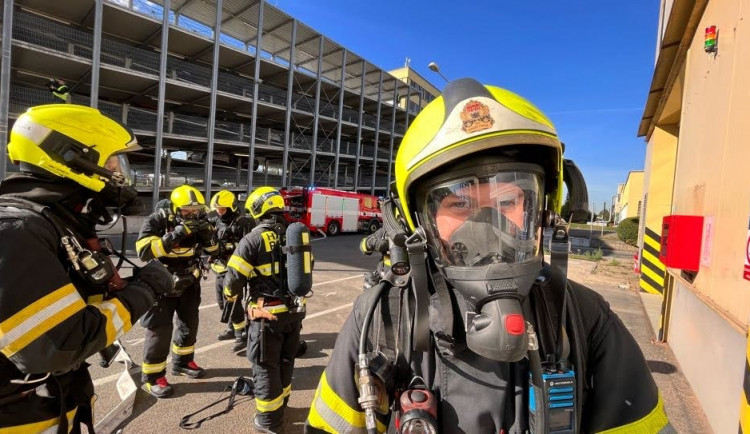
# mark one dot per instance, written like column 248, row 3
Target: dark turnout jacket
column 478, row 395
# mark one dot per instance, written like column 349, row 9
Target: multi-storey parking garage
column 250, row 87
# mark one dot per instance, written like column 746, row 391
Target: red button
column 515, row 324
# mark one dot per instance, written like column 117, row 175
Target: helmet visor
column 120, row 168
column 476, row 221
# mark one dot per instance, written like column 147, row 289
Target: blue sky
column 587, row 64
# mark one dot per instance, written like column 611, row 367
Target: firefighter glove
column 260, row 313
column 155, row 277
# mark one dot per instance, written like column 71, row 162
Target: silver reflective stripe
column 334, row 420
column 38, row 318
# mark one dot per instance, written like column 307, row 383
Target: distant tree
column 604, row 215
column 565, row 211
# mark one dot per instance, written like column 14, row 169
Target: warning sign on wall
column 746, row 272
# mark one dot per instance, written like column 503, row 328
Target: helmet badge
column 475, row 117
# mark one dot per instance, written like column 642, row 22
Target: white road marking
column 137, row 369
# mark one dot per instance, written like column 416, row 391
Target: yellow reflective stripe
column 183, row 253
column 153, row 368
column 157, row 248
column 651, row 423
column 118, row 318
column 38, row 318
column 240, row 265
column 228, row 294
column 48, row 426
column 96, row 298
column 183, row 351
column 211, row 249
column 653, row 260
column 145, row 242
column 287, row 391
column 218, row 268
column 330, row 413
column 363, row 246
column 386, row 260
column 265, row 269
column 239, row 325
column 271, row 309
column 264, row 406
column 652, row 242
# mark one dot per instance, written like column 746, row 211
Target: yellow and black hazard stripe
column 745, row 400
column 652, row 270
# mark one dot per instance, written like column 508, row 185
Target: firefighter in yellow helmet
column 275, row 316
column 492, row 339
column 230, row 226
column 61, row 299
column 178, row 237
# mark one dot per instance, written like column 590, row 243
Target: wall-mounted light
column 710, row 42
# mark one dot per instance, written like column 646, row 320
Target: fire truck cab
column 332, row 211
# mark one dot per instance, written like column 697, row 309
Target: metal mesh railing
column 271, row 95
column 188, row 72
column 125, row 56
column 38, row 31
column 228, row 131
column 235, row 85
column 21, row 98
column 142, row 119
column 189, row 126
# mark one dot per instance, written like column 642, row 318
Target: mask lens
column 481, row 220
column 120, row 167
column 191, row 211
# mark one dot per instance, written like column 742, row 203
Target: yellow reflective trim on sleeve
column 182, row 253
column 287, row 391
column 228, row 295
column 153, row 368
column 240, row 265
column 265, row 269
column 118, row 318
column 267, row 406
column 145, row 242
column 157, row 248
column 211, row 249
column 183, row 351
column 363, row 246
column 651, row 423
column 239, row 325
column 49, row 426
column 38, row 318
column 330, row 413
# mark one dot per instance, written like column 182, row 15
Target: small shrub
column 627, row 231
column 614, row 262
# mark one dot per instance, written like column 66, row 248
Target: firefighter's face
column 221, row 210
column 191, row 212
column 458, row 207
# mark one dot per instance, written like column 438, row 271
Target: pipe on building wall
column 5, row 83
column 256, row 84
column 316, row 116
column 97, row 53
column 288, row 115
column 342, row 90
column 359, row 125
column 377, row 134
column 160, row 102
column 212, row 111
column 393, row 131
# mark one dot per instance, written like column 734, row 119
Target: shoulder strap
column 43, row 210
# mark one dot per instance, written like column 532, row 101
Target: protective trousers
column 158, row 324
column 237, row 316
column 272, row 346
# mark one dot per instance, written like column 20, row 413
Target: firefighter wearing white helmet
column 61, row 299
column 230, row 226
column 178, row 237
column 479, row 173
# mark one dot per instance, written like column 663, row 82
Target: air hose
column 368, row 392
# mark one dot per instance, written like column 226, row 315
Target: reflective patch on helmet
column 31, row 130
column 493, row 117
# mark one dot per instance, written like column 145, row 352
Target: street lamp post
column 435, row 68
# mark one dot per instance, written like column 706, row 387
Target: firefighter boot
column 240, row 340
column 265, row 430
column 226, row 335
column 191, row 370
column 159, row 388
column 301, row 349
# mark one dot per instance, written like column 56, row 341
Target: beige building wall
column 707, row 314
column 631, row 195
column 410, row 76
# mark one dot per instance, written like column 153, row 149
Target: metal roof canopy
column 683, row 21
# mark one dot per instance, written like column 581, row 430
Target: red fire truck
column 332, row 211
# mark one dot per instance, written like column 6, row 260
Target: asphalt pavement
column 337, row 282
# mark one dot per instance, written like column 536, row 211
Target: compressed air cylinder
column 298, row 259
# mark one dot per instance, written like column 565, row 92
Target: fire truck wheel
column 374, row 226
column 333, row 228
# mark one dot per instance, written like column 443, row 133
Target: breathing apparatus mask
column 483, row 229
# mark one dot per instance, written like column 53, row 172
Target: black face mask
column 122, row 200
